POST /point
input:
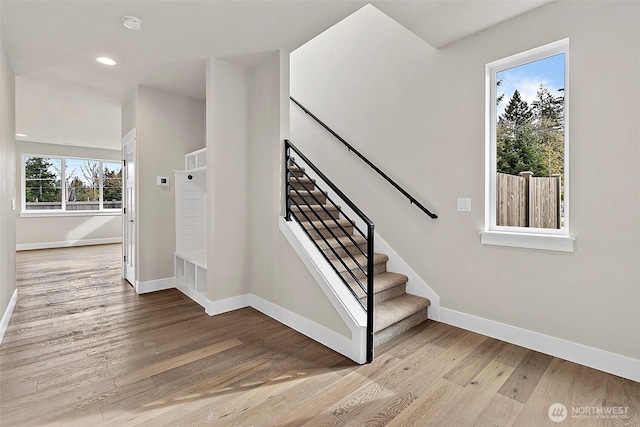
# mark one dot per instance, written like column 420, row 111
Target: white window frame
column 523, row 237
column 101, row 211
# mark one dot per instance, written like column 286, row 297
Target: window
column 527, row 199
column 57, row 184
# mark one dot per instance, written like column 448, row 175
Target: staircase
column 395, row 311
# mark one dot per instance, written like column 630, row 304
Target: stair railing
column 412, row 199
column 300, row 209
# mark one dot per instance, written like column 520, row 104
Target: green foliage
column 531, row 138
column 112, row 185
column 42, row 181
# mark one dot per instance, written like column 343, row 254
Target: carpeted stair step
column 296, row 171
column 386, row 286
column 357, row 263
column 308, row 197
column 302, row 183
column 340, row 247
column 397, row 315
column 328, row 228
column 315, row 212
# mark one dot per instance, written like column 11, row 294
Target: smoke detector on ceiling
column 132, row 23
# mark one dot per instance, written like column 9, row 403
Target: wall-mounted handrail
column 412, row 199
column 367, row 270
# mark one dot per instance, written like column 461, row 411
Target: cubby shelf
column 191, row 227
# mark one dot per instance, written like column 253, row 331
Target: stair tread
column 361, row 259
column 381, row 282
column 342, row 241
column 328, row 223
column 396, row 309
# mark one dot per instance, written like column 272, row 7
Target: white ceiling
column 57, row 40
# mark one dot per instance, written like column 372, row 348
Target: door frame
column 130, row 211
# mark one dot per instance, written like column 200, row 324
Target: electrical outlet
column 464, row 204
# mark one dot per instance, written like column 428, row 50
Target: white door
column 129, row 214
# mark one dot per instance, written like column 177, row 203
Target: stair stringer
column 343, row 301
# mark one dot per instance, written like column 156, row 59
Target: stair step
column 302, row 183
column 386, row 286
column 379, row 265
column 398, row 315
column 342, row 246
column 311, row 197
column 316, row 212
column 328, row 228
column 296, row 171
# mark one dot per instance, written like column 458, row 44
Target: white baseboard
column 349, row 347
column 7, row 314
column 602, row 360
column 228, row 304
column 155, row 285
column 67, row 243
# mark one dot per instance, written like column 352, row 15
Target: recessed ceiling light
column 106, row 61
column 132, row 23
column 20, row 135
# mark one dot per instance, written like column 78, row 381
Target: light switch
column 464, row 205
column 13, row 204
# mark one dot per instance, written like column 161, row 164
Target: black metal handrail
column 412, row 199
column 369, row 256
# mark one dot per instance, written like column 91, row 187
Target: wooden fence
column 527, row 201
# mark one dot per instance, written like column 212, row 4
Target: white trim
column 155, row 285
column 517, row 236
column 325, row 336
column 526, row 240
column 53, row 213
column 331, row 284
column 415, row 284
column 67, row 243
column 227, row 304
column 4, row 324
column 602, row 360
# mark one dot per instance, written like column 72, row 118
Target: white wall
column 57, row 231
column 418, row 113
column 276, row 273
column 66, row 114
column 7, row 186
column 226, row 129
column 168, row 126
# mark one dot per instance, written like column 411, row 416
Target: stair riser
column 387, row 294
column 316, row 214
column 397, row 328
column 327, row 234
column 343, row 251
column 304, row 199
column 296, row 172
column 377, row 268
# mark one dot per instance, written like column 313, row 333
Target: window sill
column 530, row 241
column 115, row 212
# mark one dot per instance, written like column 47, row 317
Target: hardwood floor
column 82, row 349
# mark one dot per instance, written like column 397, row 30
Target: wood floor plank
column 476, row 397
column 429, row 405
column 165, row 365
column 525, row 378
column 83, row 349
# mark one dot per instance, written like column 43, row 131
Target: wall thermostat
column 162, row 181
